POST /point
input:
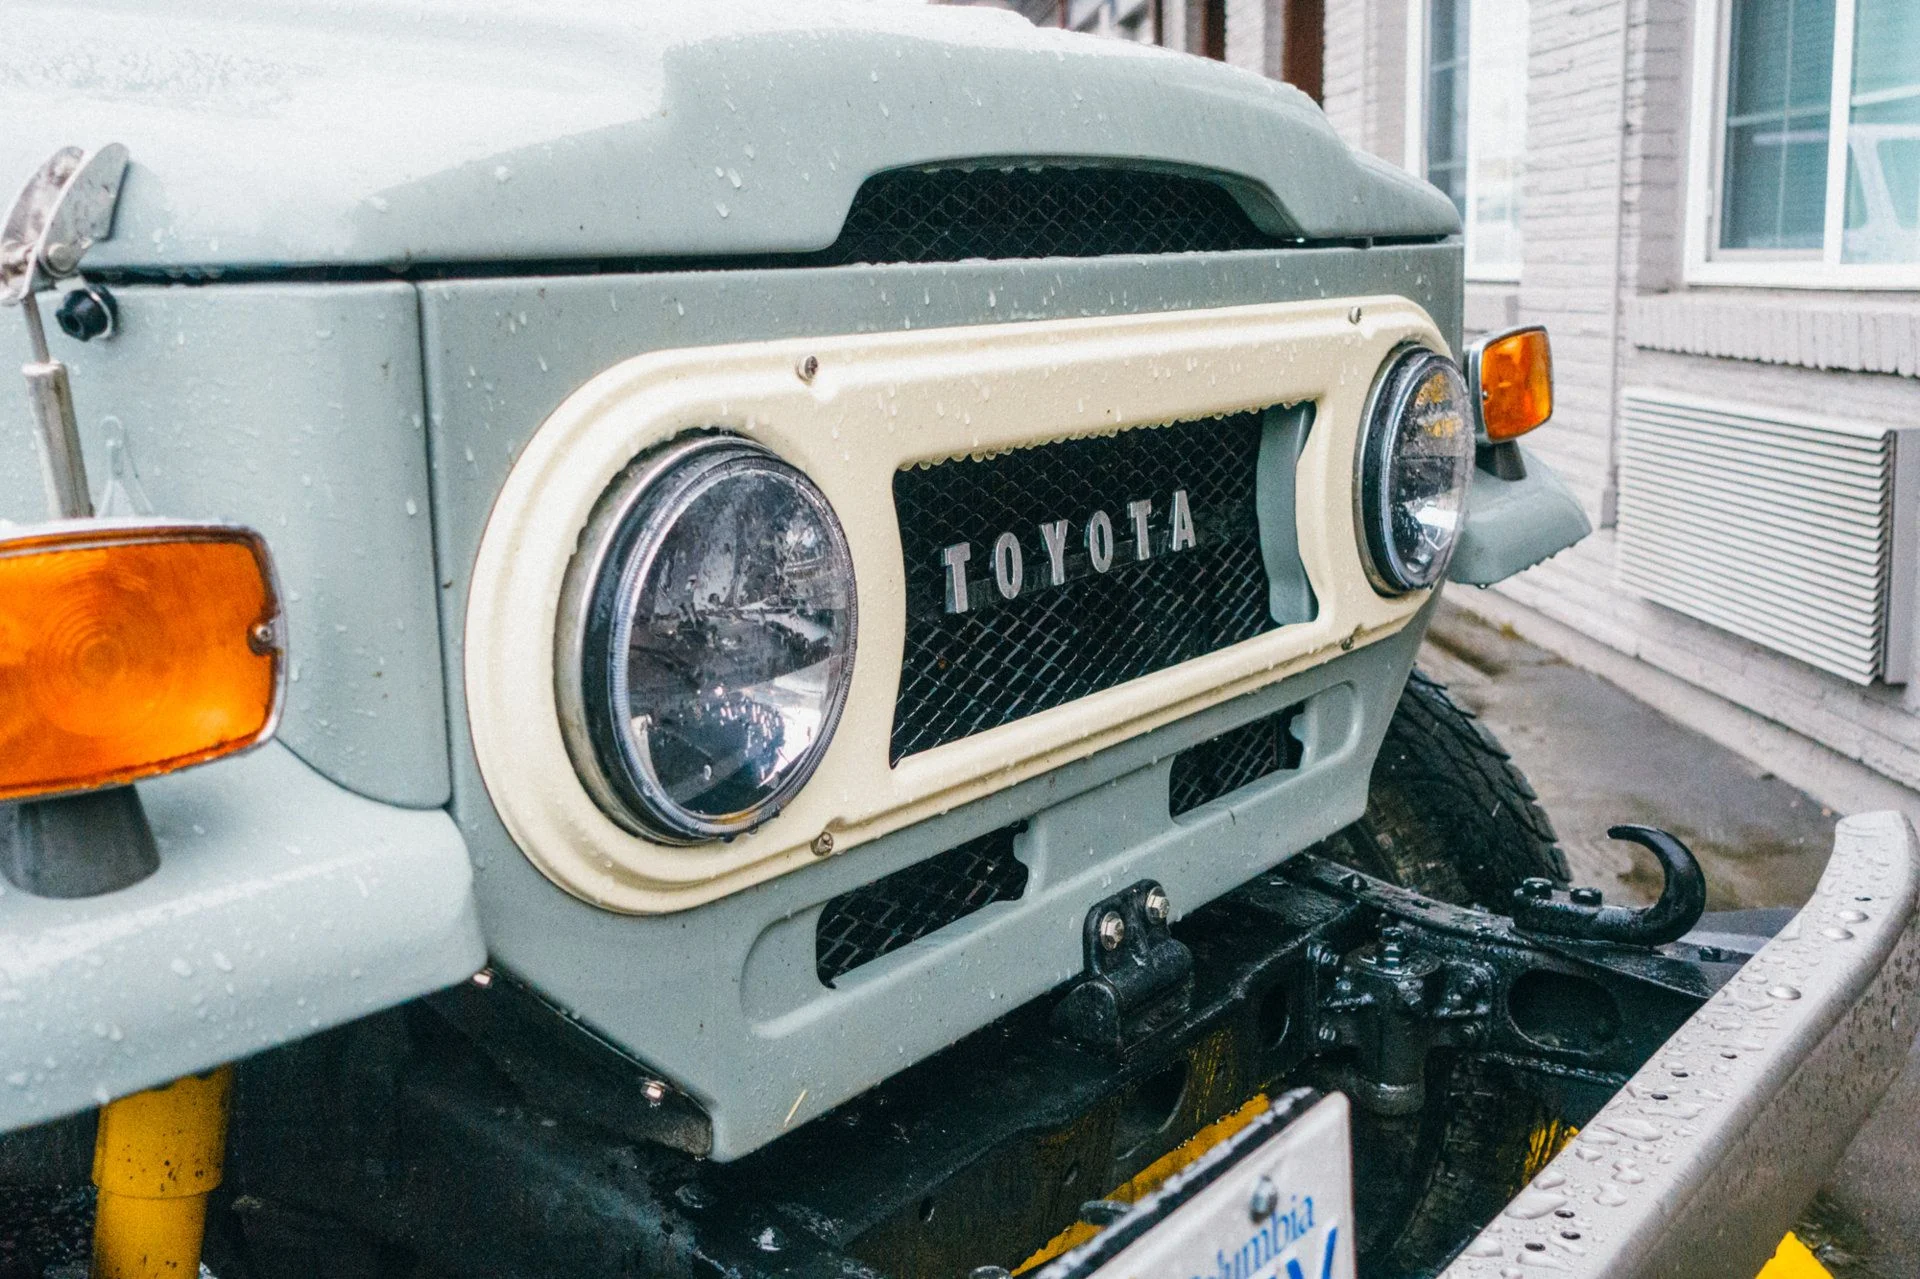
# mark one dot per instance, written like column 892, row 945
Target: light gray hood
column 364, row 134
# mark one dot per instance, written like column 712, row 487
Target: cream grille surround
column 1795, row 531
column 849, row 411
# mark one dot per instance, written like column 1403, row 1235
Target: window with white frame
column 1805, row 162
column 1467, row 119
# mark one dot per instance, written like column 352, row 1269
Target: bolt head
column 84, row 315
column 1536, row 888
column 483, row 978
column 1112, row 930
column 808, row 369
column 1264, row 1201
column 1158, row 905
column 823, row 843
column 654, row 1091
column 1586, row 896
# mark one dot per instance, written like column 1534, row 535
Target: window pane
column 1883, row 135
column 1496, row 135
column 1774, row 162
column 1447, row 99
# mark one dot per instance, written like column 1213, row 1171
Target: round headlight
column 1414, row 466
column 706, row 640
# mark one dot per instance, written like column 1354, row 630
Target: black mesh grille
column 947, row 215
column 876, row 919
column 1001, row 660
column 1223, row 764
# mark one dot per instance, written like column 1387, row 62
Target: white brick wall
column 1365, row 74
column 1604, row 197
column 1247, row 36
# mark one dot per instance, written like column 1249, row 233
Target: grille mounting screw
column 1158, row 906
column 483, row 978
column 1113, row 930
column 1584, row 896
column 808, row 369
column 1353, row 316
column 654, row 1091
column 823, row 843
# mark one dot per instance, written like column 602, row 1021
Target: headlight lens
column 706, row 640
column 1414, row 466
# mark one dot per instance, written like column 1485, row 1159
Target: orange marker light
column 1513, row 373
column 131, row 649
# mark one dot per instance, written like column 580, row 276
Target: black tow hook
column 1580, row 916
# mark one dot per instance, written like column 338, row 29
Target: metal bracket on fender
column 1137, row 978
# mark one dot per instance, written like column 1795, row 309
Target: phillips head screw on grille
column 1113, row 930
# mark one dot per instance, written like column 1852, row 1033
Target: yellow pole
column 157, row 1158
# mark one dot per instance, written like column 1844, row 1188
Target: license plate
column 1274, row 1201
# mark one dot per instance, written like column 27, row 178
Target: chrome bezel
column 1400, row 376
column 616, row 553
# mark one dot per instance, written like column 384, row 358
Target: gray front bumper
column 1699, row 1165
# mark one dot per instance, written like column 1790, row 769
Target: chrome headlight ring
column 706, row 640
column 1415, row 459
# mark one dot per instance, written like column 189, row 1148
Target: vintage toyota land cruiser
column 824, row 602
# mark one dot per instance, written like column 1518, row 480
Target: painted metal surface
column 296, row 410
column 723, row 999
column 877, row 404
column 1733, row 1125
column 283, row 905
column 266, row 135
column 1514, row 524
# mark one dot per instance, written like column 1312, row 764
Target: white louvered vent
column 1794, row 531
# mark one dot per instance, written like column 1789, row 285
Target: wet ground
column 1598, row 757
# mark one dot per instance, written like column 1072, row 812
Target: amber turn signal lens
column 1515, row 376
column 128, row 650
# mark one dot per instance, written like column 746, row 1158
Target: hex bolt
column 1584, row 896
column 654, row 1090
column 1538, row 889
column 1112, row 930
column 823, row 843
column 87, row 313
column 1158, row 905
column 1393, row 947
column 483, row 978
column 1265, row 1199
